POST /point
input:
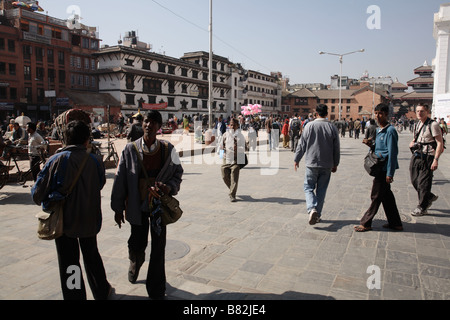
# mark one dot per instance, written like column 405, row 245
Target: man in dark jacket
column 82, row 212
column 131, row 194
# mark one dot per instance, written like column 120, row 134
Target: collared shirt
column 386, row 146
column 35, row 142
column 320, row 144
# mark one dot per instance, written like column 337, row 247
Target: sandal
column 388, row 226
column 362, row 229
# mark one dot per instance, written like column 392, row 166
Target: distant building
column 42, row 60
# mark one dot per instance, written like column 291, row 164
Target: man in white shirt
column 35, row 144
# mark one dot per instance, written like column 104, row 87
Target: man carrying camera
column 426, row 147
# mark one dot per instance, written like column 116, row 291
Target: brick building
column 42, row 58
column 355, row 103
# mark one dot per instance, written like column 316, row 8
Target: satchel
column 373, row 164
column 51, row 225
column 171, row 210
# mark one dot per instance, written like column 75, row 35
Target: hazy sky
column 282, row 35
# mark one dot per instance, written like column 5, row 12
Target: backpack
column 275, row 126
column 295, row 128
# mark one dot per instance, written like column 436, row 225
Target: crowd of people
column 148, row 169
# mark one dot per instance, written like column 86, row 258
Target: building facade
column 41, row 59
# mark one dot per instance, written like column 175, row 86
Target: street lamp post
column 341, row 60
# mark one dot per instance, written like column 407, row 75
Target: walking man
column 234, row 146
column 427, row 147
column 130, row 193
column 386, row 147
column 321, row 145
column 82, row 211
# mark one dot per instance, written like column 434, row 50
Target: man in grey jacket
column 321, row 145
column 131, row 195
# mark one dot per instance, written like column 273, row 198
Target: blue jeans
column 316, row 179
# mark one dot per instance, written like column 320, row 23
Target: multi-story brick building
column 45, row 62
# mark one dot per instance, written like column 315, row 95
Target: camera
column 416, row 147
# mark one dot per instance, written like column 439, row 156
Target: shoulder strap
column 140, row 160
column 78, row 174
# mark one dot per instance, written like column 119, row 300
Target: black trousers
column 35, row 169
column 72, row 284
column 382, row 194
column 137, row 243
column 422, row 178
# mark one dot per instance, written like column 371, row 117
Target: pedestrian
column 285, row 132
column 357, row 128
column 427, row 146
column 82, row 211
column 35, row 145
column 371, row 132
column 233, row 144
column 444, row 129
column 295, row 132
column 136, row 130
column 185, row 125
column 386, row 147
column 268, row 126
column 351, row 126
column 320, row 145
column 130, row 193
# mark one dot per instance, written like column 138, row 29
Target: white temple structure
column 441, row 64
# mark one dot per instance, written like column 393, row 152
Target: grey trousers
column 230, row 175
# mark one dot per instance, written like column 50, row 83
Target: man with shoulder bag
column 76, row 177
column 427, row 146
column 386, row 147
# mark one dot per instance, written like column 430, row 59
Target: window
column 28, row 94
column 94, row 44
column 129, row 99
column 50, row 56
column 2, row 68
column 93, row 65
column 51, row 75
column 11, row 46
column 152, row 86
column 348, row 109
column 40, row 94
column 171, row 70
column 171, row 102
column 27, row 72
column 184, row 88
column 62, row 76
column 3, row 93
column 85, row 43
column 61, row 58
column 194, row 103
column 13, row 93
column 2, row 44
column 146, row 65
column 12, row 69
column 39, row 54
column 130, row 82
column 195, row 74
column 129, row 62
column 27, row 52
column 161, row 67
column 171, row 86
column 40, row 73
column 86, row 63
column 184, row 72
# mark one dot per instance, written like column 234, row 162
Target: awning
column 159, row 106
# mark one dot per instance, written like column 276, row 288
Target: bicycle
column 16, row 155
